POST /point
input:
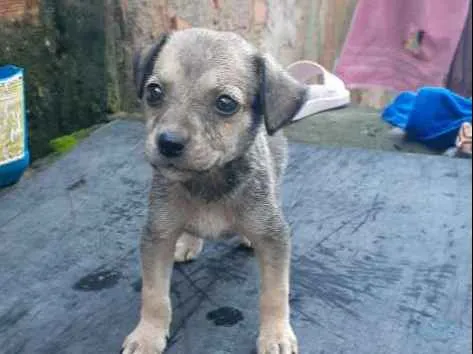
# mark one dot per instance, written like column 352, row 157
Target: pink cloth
column 402, row 44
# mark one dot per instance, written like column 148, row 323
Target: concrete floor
column 381, row 260
column 352, row 127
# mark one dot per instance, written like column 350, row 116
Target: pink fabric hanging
column 402, row 44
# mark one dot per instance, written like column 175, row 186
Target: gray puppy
column 214, row 107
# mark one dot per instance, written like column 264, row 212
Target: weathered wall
column 269, row 24
column 81, row 54
column 288, row 29
column 32, row 47
column 62, row 52
column 15, row 9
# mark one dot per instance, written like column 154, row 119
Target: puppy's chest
column 210, row 221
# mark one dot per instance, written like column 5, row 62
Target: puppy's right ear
column 143, row 63
column 280, row 95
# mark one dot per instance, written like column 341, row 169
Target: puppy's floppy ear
column 143, row 63
column 280, row 95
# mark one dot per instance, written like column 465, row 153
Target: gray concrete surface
column 381, row 261
column 356, row 127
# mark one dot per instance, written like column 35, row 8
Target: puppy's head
column 206, row 96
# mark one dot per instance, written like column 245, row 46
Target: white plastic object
column 329, row 95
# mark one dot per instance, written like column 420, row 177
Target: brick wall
column 19, row 9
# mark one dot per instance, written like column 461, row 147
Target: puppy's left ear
column 280, row 95
column 143, row 63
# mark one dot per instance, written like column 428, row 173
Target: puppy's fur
column 227, row 178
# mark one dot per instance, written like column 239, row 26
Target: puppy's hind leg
column 188, row 248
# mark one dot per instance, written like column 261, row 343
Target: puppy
column 214, row 107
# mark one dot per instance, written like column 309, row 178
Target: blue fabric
column 432, row 116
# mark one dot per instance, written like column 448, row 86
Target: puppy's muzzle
column 171, row 144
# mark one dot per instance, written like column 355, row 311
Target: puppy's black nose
column 171, row 144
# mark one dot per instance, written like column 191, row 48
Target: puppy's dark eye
column 154, row 94
column 225, row 105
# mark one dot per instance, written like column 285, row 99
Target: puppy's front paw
column 145, row 339
column 277, row 341
column 188, row 248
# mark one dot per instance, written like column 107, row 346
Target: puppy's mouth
column 172, row 167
